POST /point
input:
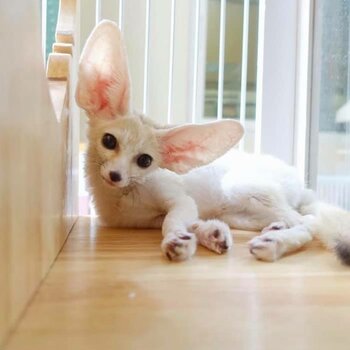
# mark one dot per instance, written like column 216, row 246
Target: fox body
column 188, row 180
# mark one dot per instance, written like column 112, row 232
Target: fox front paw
column 179, row 247
column 214, row 235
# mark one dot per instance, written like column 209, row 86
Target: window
column 330, row 123
column 239, row 66
column 49, row 22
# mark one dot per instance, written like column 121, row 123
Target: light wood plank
column 37, row 157
column 112, row 289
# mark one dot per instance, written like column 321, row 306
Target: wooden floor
column 112, row 289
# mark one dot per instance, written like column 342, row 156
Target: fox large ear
column 185, row 147
column 103, row 88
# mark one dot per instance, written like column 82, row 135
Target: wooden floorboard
column 112, row 289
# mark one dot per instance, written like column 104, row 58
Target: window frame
column 283, row 123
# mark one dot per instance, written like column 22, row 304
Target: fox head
column 123, row 146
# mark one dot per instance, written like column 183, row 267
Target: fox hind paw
column 265, row 247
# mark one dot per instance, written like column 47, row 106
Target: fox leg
column 276, row 241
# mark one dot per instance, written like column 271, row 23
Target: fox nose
column 114, row 176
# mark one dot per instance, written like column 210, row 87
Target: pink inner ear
column 109, row 97
column 100, row 90
column 103, row 88
column 176, row 154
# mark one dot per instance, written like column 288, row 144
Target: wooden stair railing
column 39, row 130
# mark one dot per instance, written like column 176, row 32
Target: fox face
column 125, row 149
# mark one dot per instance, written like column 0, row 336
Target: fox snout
column 115, row 176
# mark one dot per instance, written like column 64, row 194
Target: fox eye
column 144, row 160
column 109, row 141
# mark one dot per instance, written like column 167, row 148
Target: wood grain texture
column 62, row 48
column 112, row 289
column 58, row 66
column 38, row 161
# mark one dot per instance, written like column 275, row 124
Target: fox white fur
column 196, row 186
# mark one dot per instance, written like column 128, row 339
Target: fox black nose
column 114, row 176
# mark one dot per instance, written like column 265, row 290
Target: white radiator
column 334, row 190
